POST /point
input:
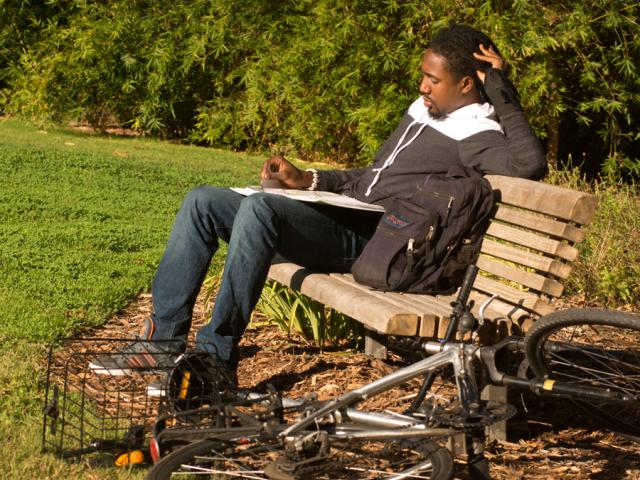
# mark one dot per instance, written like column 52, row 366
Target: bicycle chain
column 295, row 467
column 491, row 412
column 285, row 468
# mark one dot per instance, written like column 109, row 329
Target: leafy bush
column 607, row 271
column 323, row 77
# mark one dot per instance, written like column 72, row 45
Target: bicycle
column 588, row 355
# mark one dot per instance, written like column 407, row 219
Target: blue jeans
column 256, row 228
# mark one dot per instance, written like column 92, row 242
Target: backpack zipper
column 410, row 245
column 429, row 236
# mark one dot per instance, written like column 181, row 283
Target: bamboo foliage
column 322, row 78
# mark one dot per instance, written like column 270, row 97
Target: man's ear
column 466, row 85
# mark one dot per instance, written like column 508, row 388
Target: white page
column 328, row 198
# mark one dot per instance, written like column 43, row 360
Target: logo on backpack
column 395, row 220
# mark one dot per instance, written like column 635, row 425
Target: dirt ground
column 547, row 439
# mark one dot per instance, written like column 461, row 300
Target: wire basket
column 87, row 411
column 90, row 412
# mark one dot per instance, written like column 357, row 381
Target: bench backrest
column 530, row 246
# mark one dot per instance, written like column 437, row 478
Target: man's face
column 442, row 94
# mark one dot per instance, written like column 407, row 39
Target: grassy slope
column 83, row 223
column 84, row 220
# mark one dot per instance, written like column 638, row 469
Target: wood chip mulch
column 552, row 440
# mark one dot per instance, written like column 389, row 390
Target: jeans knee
column 199, row 195
column 256, row 204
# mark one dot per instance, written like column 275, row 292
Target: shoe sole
column 118, row 372
column 102, row 370
column 155, row 391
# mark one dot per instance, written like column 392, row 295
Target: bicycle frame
column 348, row 422
column 460, row 356
column 345, row 420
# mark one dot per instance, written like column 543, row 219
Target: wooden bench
column 527, row 254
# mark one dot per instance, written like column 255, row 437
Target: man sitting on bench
column 467, row 114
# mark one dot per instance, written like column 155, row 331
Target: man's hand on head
column 490, row 56
column 280, row 169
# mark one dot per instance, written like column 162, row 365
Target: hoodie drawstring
column 392, row 157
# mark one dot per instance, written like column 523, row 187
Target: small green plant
column 295, row 312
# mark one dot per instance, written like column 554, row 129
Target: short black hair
column 456, row 44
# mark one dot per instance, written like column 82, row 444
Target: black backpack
column 424, row 243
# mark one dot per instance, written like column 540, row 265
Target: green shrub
column 610, row 271
column 323, row 77
column 607, row 271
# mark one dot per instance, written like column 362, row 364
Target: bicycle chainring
column 453, row 415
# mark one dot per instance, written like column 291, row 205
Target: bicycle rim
column 248, row 459
column 593, row 348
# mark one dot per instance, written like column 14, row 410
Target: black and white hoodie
column 494, row 138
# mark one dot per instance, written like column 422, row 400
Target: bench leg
column 375, row 344
column 457, row 445
column 497, row 431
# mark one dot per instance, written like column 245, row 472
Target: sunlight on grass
column 84, row 222
column 83, row 228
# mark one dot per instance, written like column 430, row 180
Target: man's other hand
column 490, row 56
column 280, row 169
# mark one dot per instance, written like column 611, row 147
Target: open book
column 328, row 198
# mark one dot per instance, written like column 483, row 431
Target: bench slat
column 528, row 300
column 551, row 200
column 539, row 223
column 542, row 284
column 380, row 315
column 533, row 241
column 435, row 326
column 528, row 259
column 405, row 302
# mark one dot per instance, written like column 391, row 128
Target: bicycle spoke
column 607, row 378
column 344, row 460
column 595, row 349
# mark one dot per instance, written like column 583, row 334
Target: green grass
column 84, row 219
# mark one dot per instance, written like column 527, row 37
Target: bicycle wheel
column 248, row 459
column 593, row 348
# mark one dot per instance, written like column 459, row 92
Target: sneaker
column 204, row 370
column 138, row 356
column 157, row 388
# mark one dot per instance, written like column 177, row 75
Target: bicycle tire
column 591, row 347
column 238, row 459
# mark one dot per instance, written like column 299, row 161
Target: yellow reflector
column 135, row 457
column 548, row 384
column 184, row 385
